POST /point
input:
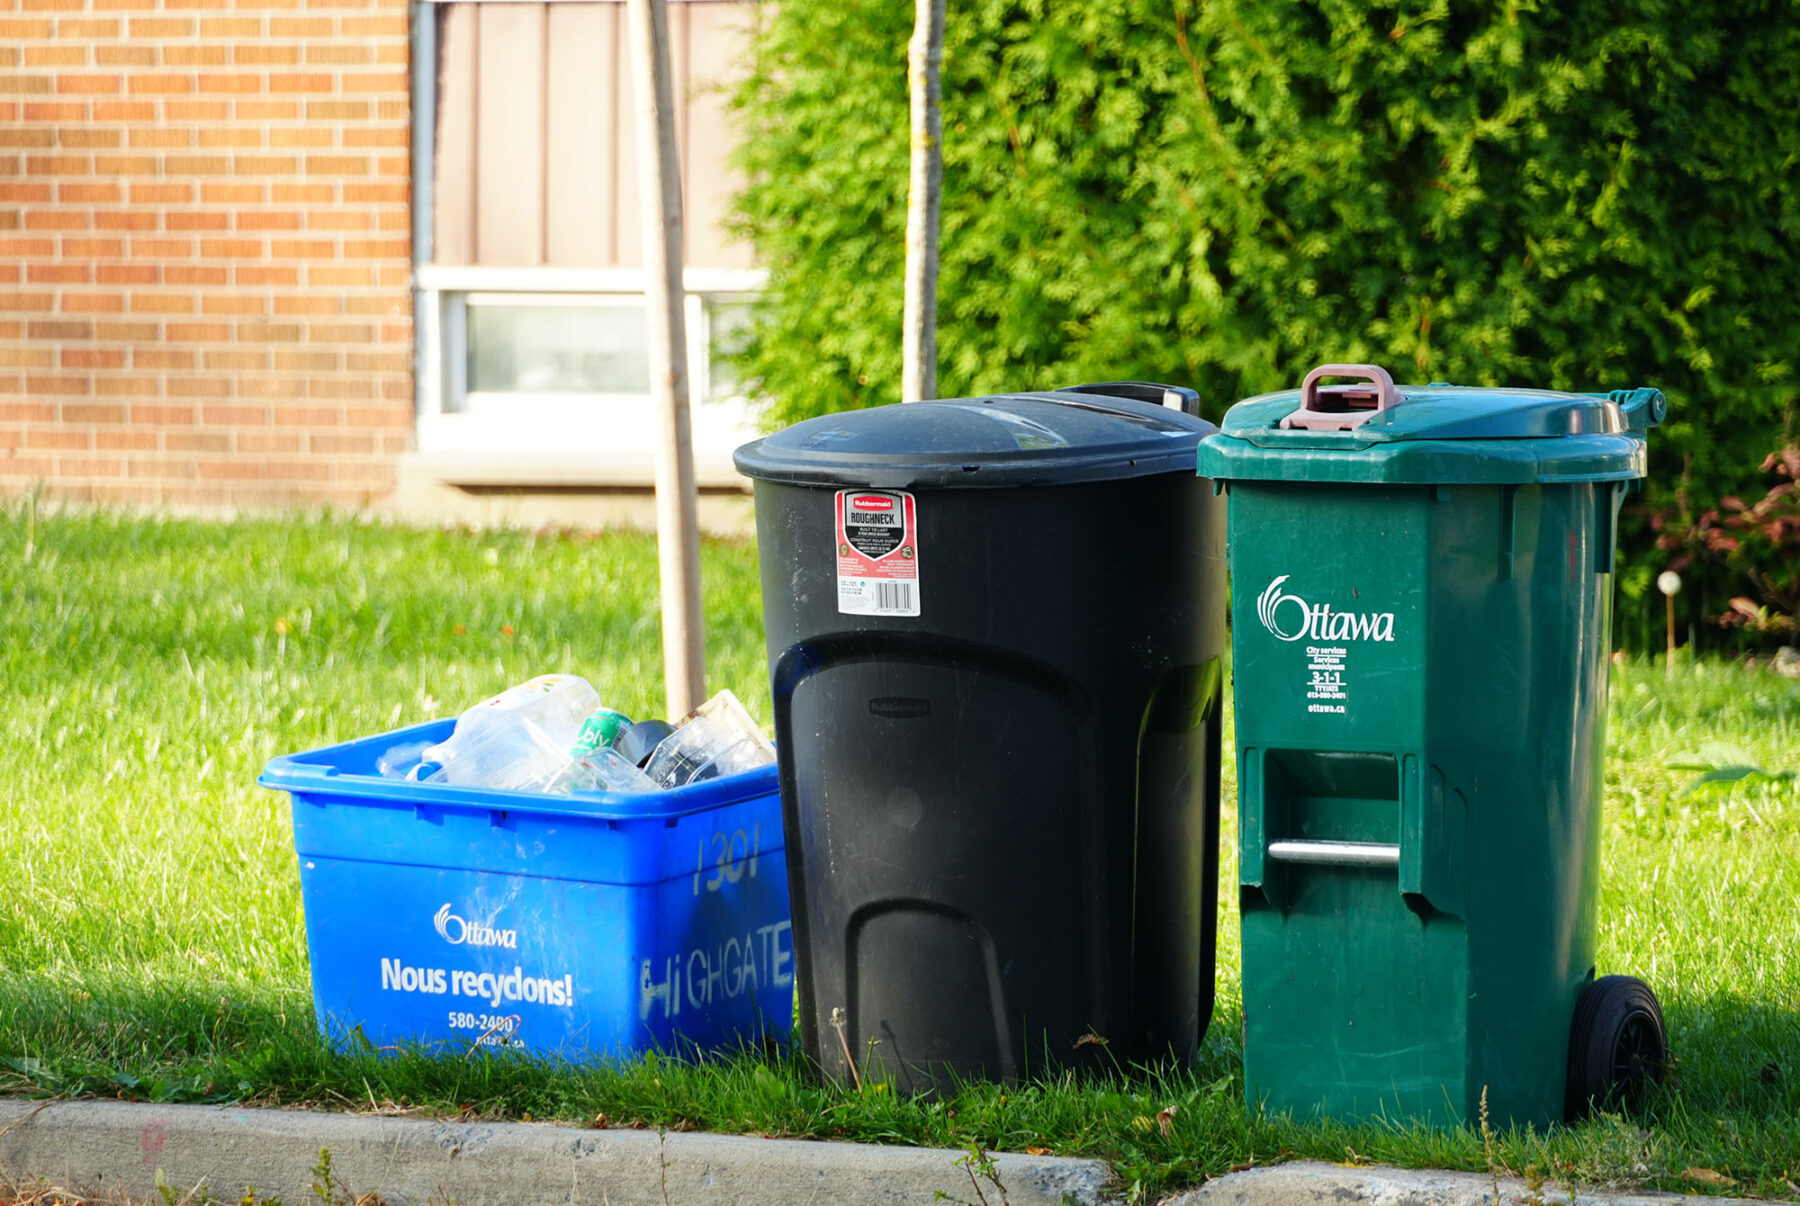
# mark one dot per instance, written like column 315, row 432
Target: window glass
column 727, row 327
column 543, row 347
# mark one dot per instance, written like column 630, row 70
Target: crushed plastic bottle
column 519, row 740
column 605, row 769
column 717, row 738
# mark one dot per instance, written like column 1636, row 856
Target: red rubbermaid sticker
column 878, row 553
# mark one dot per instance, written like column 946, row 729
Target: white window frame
column 607, row 438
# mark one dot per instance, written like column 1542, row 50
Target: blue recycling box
column 591, row 925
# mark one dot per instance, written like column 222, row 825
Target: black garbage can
column 995, row 632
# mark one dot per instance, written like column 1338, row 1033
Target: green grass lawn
column 152, row 944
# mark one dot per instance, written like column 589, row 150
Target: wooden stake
column 677, row 496
column 924, row 58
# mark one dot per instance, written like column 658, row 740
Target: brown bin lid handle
column 1342, row 407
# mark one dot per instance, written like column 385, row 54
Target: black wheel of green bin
column 1618, row 1046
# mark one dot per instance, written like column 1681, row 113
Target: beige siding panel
column 580, row 209
column 719, row 40
column 509, row 135
column 453, row 192
column 628, row 245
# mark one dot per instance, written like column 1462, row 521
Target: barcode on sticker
column 895, row 598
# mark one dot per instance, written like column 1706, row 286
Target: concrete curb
column 1309, row 1183
column 102, row 1148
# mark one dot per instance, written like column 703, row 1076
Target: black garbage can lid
column 1053, row 438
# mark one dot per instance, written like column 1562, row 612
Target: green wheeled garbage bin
column 1421, row 582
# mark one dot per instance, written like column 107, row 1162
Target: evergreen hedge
column 1224, row 194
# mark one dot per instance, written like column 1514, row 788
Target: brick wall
column 204, row 250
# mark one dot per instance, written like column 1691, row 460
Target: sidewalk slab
column 100, row 1148
column 1310, row 1183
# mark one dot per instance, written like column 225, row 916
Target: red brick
column 235, row 416
column 127, row 274
column 56, row 437
column 68, row 193
column 262, row 110
column 274, row 388
column 197, row 110
column 304, row 194
column 276, row 220
column 162, row 303
column 21, row 28
column 52, row 56
column 92, row 412
column 31, row 136
column 337, row 165
column 197, row 220
column 163, row 137
column 307, row 362
column 56, row 219
column 301, row 136
column 26, row 357
column 126, row 219
column 269, row 332
column 332, row 443
column 128, row 332
column 58, row 165
column 231, row 193
column 239, row 305
column 230, row 82
column 88, row 84
column 232, row 136
column 27, row 412
column 93, row 248
column 160, row 85
column 88, row 466
column 93, row 358
column 163, row 249
column 23, row 192
column 338, row 219
column 92, row 303
column 209, row 386
column 127, row 165
column 301, row 27
column 309, row 304
column 230, row 470
column 231, row 27
column 27, row 246
column 124, row 110
column 182, row 274
column 176, row 193
column 163, row 416
column 58, row 274
column 232, row 249
column 337, row 110
column 264, row 53
column 125, row 441
column 160, row 27
column 309, row 416
column 114, row 386
column 266, row 441
column 235, row 362
column 194, row 56
column 15, row 301
column 266, row 165
column 245, row 274
column 90, row 137
column 353, row 55
column 340, row 332
column 63, row 111
column 196, row 165
column 376, row 248
column 338, row 278
column 127, row 56
column 303, row 249
column 59, row 329
column 26, row 85
column 57, row 384
column 197, row 332
column 196, row 441
column 341, row 387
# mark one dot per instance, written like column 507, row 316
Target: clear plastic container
column 717, row 738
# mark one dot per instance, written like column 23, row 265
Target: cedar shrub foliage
column 1224, row 193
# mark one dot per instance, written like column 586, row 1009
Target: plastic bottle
column 518, row 740
column 717, row 738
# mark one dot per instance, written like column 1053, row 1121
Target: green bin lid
column 1088, row 433
column 1437, row 434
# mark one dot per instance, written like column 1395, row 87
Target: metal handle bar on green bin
column 1175, row 397
column 1340, row 854
column 1310, row 418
